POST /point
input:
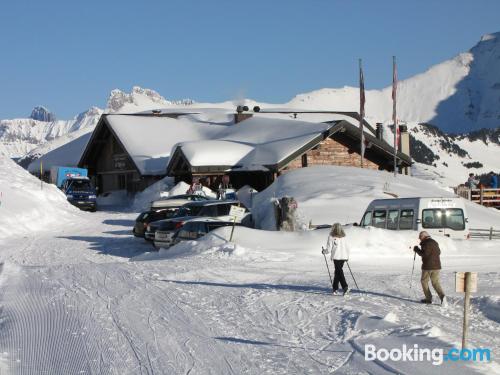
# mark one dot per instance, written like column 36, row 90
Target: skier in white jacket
column 339, row 249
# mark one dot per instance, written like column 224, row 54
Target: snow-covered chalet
column 133, row 151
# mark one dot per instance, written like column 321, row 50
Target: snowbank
column 26, row 207
column 330, row 194
column 370, row 247
column 142, row 200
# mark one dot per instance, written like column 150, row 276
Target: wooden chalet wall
column 111, row 168
column 331, row 152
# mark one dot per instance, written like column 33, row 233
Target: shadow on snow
column 125, row 247
column 312, row 289
column 119, row 222
column 254, row 342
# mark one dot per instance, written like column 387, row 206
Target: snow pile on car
column 26, row 205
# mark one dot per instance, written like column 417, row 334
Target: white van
column 438, row 216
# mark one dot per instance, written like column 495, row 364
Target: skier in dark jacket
column 431, row 265
column 493, row 180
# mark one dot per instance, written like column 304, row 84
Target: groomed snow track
column 86, row 302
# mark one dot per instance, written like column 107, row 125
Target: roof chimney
column 379, row 132
column 404, row 143
column 240, row 115
column 404, row 139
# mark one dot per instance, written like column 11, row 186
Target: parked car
column 147, row 217
column 218, row 209
column 196, row 228
column 162, row 232
column 177, row 201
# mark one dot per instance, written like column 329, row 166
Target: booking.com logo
column 416, row 354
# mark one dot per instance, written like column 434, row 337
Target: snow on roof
column 148, row 139
column 253, row 143
column 215, row 152
column 66, row 155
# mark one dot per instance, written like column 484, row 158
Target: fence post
column 491, row 233
column 481, row 196
column 469, row 194
column 465, row 328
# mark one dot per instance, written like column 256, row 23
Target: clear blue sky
column 68, row 55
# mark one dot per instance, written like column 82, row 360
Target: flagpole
column 394, row 115
column 361, row 111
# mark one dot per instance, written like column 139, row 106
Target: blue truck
column 75, row 183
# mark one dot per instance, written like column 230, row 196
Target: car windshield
column 80, row 185
column 143, row 216
column 188, row 211
column 452, row 218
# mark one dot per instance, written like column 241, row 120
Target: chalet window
column 304, row 160
column 116, row 147
column 122, row 182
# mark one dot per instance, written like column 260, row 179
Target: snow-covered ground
column 82, row 295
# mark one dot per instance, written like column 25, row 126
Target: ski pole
column 328, row 268
column 412, row 270
column 355, row 283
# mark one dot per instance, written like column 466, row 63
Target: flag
column 394, row 101
column 361, row 110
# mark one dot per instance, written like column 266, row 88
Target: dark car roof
column 211, row 222
column 211, row 203
column 186, row 196
column 151, row 213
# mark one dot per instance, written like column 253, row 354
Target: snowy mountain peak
column 40, row 113
column 91, row 112
column 139, row 99
column 119, row 100
column 487, row 37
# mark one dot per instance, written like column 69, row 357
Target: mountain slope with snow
column 20, row 136
column 457, row 95
column 450, row 158
column 140, row 99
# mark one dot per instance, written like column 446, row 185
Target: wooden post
column 41, row 175
column 491, row 233
column 481, row 196
column 469, row 194
column 232, row 230
column 468, row 287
